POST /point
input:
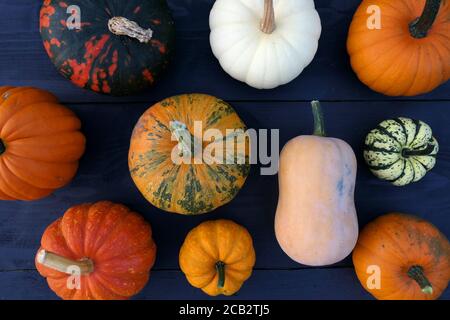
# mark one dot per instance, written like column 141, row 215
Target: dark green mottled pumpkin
column 120, row 48
column 180, row 158
column 401, row 150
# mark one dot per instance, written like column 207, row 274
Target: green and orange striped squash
column 105, row 59
column 189, row 187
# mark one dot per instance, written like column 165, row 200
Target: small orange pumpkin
column 402, row 257
column 217, row 257
column 107, row 246
column 408, row 53
column 40, row 144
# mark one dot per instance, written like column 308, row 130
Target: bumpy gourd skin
column 401, row 150
column 393, row 244
column 119, row 243
column 187, row 188
column 218, row 242
column 96, row 59
column 40, row 144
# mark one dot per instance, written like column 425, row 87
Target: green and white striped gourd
column 401, row 150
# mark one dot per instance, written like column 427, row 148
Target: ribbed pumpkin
column 168, row 130
column 409, row 255
column 107, row 246
column 401, row 150
column 121, row 47
column 217, row 257
column 40, row 144
column 409, row 54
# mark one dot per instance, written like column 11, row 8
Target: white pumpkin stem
column 61, row 264
column 268, row 21
column 188, row 145
column 319, row 123
column 121, row 26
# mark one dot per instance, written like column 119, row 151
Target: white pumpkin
column 265, row 43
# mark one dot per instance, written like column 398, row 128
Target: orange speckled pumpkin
column 40, row 144
column 112, row 247
column 217, row 257
column 413, row 257
column 167, row 154
column 409, row 54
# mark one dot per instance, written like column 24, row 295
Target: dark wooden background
column 351, row 111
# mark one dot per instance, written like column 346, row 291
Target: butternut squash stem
column 419, row 28
column 416, row 273
column 2, row 147
column 61, row 264
column 220, row 267
column 425, row 152
column 268, row 21
column 319, row 123
column 121, row 26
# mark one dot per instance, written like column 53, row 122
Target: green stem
column 419, row 27
column 416, row 273
column 2, row 147
column 425, row 152
column 319, row 124
column 220, row 267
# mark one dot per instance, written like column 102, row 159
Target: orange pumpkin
column 408, row 53
column 99, row 251
column 218, row 257
column 40, row 144
column 402, row 257
column 169, row 159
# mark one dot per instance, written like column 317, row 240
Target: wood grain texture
column 108, row 123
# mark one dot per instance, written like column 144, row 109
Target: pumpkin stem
column 188, row 145
column 419, row 27
column 61, row 264
column 268, row 20
column 416, row 273
column 2, row 147
column 319, row 123
column 220, row 267
column 121, row 26
column 425, row 152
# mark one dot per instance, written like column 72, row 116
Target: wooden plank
column 23, row 60
column 104, row 175
column 309, row 284
column 264, row 284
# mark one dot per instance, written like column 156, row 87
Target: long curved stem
column 268, row 21
column 61, row 264
column 419, row 28
column 416, row 273
column 319, row 123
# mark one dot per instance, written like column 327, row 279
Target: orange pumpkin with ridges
column 407, row 54
column 410, row 257
column 40, row 143
column 108, row 246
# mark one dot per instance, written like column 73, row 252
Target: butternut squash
column 316, row 222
